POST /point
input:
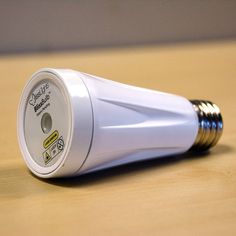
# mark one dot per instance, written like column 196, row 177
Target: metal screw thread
column 210, row 125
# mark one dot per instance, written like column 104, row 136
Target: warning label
column 53, row 150
column 49, row 140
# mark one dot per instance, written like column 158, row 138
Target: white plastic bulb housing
column 70, row 123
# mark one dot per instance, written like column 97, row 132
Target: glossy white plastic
column 111, row 123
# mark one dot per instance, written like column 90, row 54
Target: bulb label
column 46, row 123
column 53, row 150
column 49, row 140
column 39, row 98
column 34, row 97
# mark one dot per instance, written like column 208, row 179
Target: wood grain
column 184, row 195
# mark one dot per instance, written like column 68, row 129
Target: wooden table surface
column 184, row 195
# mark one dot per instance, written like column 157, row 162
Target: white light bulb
column 71, row 123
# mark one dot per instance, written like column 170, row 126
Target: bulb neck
column 210, row 125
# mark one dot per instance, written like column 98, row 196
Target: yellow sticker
column 50, row 139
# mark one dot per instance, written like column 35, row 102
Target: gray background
column 55, row 24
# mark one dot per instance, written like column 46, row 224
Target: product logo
column 37, row 94
column 40, row 104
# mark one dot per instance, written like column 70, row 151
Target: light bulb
column 70, row 123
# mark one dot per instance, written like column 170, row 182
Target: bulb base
column 210, row 125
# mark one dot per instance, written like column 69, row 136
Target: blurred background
column 32, row 26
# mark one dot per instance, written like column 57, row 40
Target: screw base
column 210, row 125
